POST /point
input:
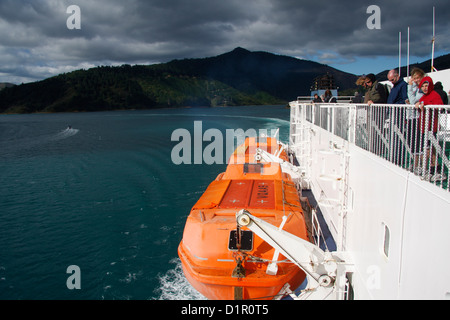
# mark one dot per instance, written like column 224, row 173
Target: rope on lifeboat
column 239, row 257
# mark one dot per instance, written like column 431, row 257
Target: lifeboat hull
column 224, row 262
column 257, row 286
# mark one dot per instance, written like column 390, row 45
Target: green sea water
column 100, row 191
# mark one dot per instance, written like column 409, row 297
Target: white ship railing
column 392, row 132
column 375, row 191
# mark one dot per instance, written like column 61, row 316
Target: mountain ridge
column 238, row 77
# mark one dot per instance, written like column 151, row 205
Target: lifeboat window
column 253, row 168
column 246, row 240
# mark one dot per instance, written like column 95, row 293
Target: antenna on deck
column 407, row 56
column 399, row 53
column 433, row 40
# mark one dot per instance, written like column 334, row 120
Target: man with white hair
column 399, row 93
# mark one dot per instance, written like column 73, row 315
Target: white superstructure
column 387, row 214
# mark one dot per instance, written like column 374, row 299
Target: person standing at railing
column 327, row 96
column 376, row 92
column 440, row 90
column 399, row 93
column 317, row 99
column 430, row 123
column 414, row 95
column 430, row 97
column 414, row 92
column 412, row 114
column 357, row 98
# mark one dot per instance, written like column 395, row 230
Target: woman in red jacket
column 430, row 97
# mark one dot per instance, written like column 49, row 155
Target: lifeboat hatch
column 257, row 194
column 246, row 241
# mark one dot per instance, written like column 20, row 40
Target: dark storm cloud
column 35, row 42
column 341, row 26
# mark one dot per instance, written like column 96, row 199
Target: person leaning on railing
column 376, row 92
column 414, row 93
column 430, row 97
column 398, row 95
column 412, row 115
column 399, row 91
column 440, row 90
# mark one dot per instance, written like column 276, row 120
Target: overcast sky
column 36, row 43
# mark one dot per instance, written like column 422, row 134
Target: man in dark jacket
column 399, row 93
column 440, row 89
column 376, row 92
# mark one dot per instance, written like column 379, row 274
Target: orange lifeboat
column 225, row 262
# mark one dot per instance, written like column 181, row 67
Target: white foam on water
column 69, row 132
column 174, row 285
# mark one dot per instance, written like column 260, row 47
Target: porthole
column 386, row 240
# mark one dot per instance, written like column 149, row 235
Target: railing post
column 351, row 131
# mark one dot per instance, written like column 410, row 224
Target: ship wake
column 174, row 285
column 67, row 133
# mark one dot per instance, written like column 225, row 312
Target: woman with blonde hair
column 414, row 93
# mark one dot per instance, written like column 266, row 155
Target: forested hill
column 239, row 77
column 4, row 85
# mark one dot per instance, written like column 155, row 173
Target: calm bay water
column 104, row 195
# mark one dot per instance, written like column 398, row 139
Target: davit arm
column 325, row 271
column 293, row 171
